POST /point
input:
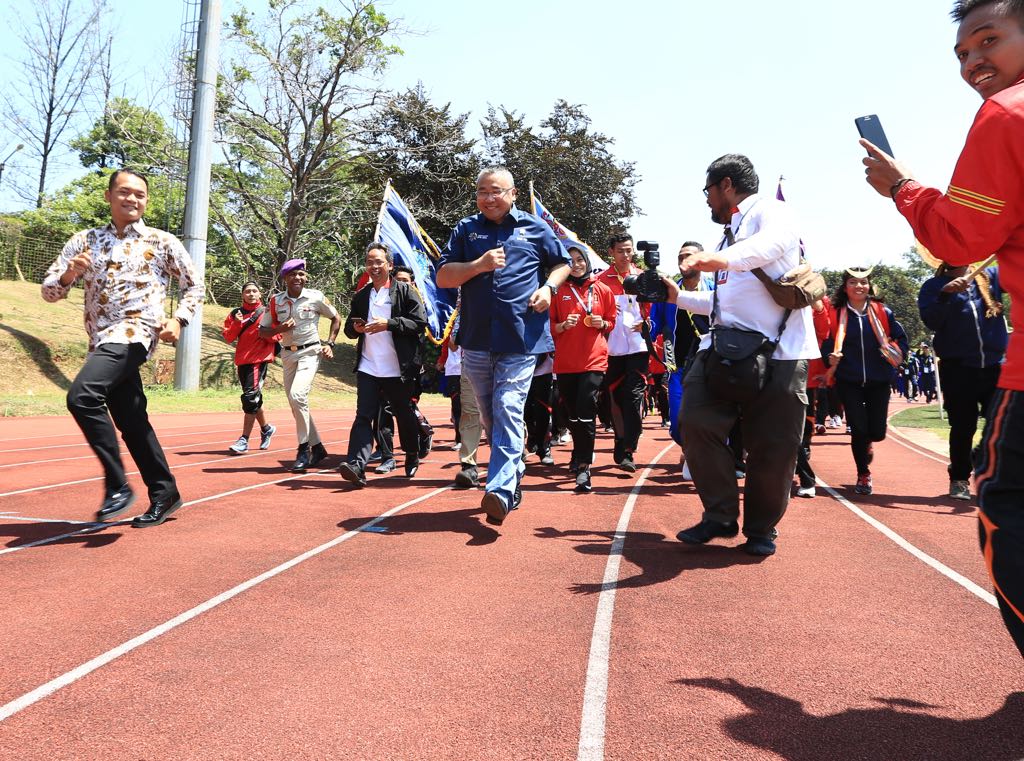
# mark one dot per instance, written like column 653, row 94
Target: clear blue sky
column 677, row 84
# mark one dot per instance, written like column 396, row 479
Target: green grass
column 925, row 416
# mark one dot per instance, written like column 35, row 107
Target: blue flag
column 412, row 247
column 565, row 236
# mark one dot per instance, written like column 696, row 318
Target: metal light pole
column 197, row 189
column 9, row 155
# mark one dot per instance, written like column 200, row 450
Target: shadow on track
column 957, row 508
column 659, row 559
column 25, row 533
column 780, row 724
column 453, row 521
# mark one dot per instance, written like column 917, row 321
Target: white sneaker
column 239, row 447
column 806, row 491
column 687, row 476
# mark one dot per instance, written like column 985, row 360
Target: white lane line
column 903, row 441
column 92, row 528
column 240, row 459
column 30, row 519
column 99, row 661
column 79, row 434
column 160, row 436
column 921, row 555
column 595, row 692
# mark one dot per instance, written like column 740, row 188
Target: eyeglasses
column 484, row 194
column 709, row 186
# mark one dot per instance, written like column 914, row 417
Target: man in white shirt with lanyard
column 626, row 379
column 759, row 232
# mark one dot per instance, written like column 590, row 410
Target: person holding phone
column 982, row 212
column 125, row 267
column 295, row 314
column 387, row 320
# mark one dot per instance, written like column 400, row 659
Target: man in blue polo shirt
column 509, row 264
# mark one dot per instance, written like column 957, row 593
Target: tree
column 572, row 168
column 60, row 59
column 130, row 136
column 295, row 87
column 424, row 150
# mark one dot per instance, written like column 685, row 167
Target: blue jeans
column 501, row 383
column 675, row 402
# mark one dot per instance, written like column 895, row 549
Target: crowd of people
column 743, row 377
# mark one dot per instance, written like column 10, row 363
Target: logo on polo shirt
column 477, row 236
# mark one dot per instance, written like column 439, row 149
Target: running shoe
column 583, row 485
column 239, row 447
column 863, row 484
column 806, row 491
column 266, row 434
column 960, row 490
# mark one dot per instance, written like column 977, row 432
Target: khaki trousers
column 299, row 370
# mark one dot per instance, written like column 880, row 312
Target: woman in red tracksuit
column 582, row 315
column 252, row 355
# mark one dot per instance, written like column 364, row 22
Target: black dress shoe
column 317, row 455
column 495, row 508
column 412, row 464
column 352, row 473
column 761, row 546
column 426, row 442
column 115, row 503
column 301, row 459
column 386, row 467
column 159, row 511
column 467, row 478
column 705, row 531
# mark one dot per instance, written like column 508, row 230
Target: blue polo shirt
column 495, row 315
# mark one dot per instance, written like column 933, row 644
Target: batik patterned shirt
column 126, row 285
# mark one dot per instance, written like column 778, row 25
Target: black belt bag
column 736, row 367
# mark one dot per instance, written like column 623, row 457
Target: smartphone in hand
column 870, row 128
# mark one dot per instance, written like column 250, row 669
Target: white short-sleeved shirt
column 379, row 357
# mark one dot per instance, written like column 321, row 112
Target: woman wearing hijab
column 582, row 315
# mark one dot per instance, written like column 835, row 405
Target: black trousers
column 577, row 393
column 867, row 407
column 626, row 381
column 252, row 378
column 537, row 413
column 1000, row 482
column 772, row 424
column 804, row 471
column 966, row 394
column 370, row 392
column 107, row 392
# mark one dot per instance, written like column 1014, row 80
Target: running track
column 294, row 617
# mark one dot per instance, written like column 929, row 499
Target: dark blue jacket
column 962, row 332
column 862, row 361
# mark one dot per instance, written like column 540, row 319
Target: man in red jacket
column 252, row 355
column 983, row 211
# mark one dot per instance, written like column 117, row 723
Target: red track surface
column 432, row 635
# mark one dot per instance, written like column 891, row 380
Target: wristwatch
column 328, row 343
column 551, row 286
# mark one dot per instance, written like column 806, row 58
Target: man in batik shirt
column 125, row 267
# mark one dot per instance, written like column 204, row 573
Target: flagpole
column 383, row 208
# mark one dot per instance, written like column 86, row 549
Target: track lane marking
column 72, row 676
column 921, row 555
column 159, row 436
column 595, row 691
column 260, row 453
column 94, row 527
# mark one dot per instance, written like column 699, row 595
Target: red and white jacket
column 982, row 211
column 582, row 349
column 251, row 349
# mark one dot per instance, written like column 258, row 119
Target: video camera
column 647, row 286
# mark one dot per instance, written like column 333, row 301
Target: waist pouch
column 736, row 368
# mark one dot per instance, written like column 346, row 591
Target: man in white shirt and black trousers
column 759, row 232
column 387, row 319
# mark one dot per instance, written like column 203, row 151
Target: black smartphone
column 870, row 128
